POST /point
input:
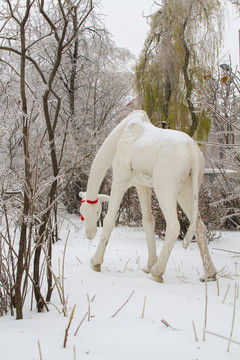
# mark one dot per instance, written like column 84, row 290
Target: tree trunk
column 49, row 273
column 189, row 85
column 27, row 173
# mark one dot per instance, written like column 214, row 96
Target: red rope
column 89, row 202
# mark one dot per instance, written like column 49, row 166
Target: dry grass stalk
column 195, row 332
column 236, row 268
column 63, row 265
column 225, row 296
column 206, row 300
column 167, row 324
column 59, row 281
column 218, row 292
column 233, row 319
column 138, row 260
column 58, row 285
column 55, row 307
column 74, row 352
column 126, row 265
column 222, row 337
column 223, row 273
column 39, row 349
column 89, row 309
column 79, row 260
column 229, row 251
column 123, row 305
column 69, row 324
column 80, row 323
column 59, row 266
column 144, row 305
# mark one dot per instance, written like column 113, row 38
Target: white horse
column 145, row 156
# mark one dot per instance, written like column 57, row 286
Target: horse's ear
column 103, row 197
column 82, row 195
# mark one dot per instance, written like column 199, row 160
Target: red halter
column 89, row 202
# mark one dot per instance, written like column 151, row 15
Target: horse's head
column 90, row 212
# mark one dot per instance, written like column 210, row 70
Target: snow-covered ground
column 130, row 334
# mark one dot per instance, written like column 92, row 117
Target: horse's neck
column 103, row 161
column 99, row 168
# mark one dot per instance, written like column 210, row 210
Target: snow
column 179, row 301
column 158, row 137
column 139, row 127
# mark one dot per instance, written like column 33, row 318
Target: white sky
column 124, row 19
column 231, row 38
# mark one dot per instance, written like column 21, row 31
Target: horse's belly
column 143, row 179
column 142, row 165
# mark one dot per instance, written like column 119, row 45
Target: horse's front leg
column 148, row 221
column 108, row 225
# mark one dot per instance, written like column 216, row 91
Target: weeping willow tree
column 179, row 51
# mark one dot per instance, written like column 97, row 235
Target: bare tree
column 220, row 96
column 96, row 79
column 64, row 85
column 43, row 103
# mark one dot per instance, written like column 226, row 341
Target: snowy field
column 135, row 332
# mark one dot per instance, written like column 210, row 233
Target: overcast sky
column 125, row 20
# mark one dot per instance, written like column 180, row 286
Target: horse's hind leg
column 168, row 204
column 185, row 201
column 210, row 270
column 144, row 194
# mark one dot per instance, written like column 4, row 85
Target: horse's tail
column 107, row 151
column 197, row 172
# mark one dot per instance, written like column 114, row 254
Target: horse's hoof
column 96, row 268
column 156, row 276
column 146, row 270
column 209, row 279
column 95, row 264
